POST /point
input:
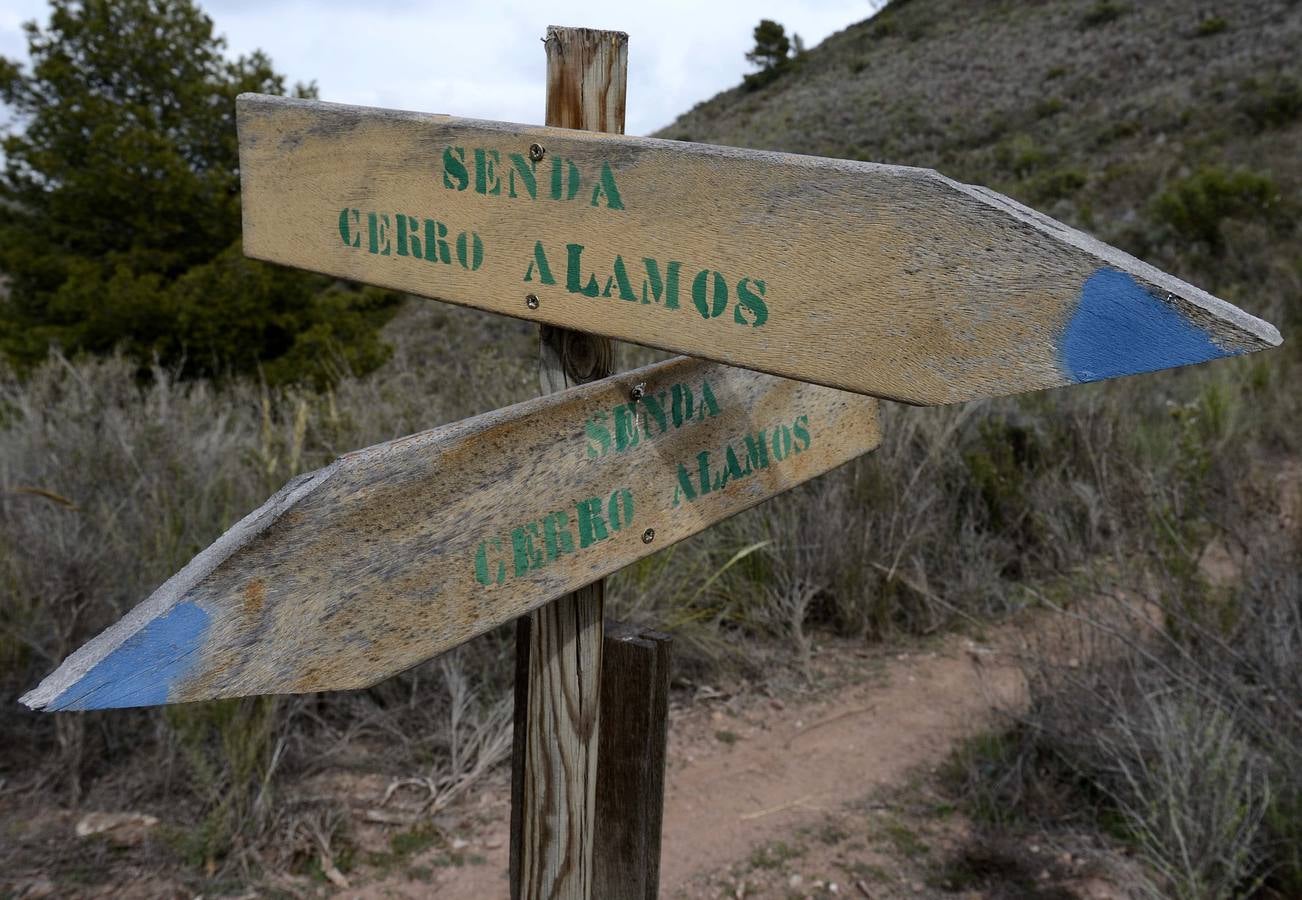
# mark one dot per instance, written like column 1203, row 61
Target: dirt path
column 790, row 766
column 747, row 770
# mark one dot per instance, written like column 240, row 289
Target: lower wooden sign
column 401, row 551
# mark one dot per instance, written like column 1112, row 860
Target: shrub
column 1211, row 25
column 1101, row 13
column 1169, row 728
column 1191, row 791
column 1021, row 155
column 1049, row 187
column 1194, row 208
column 1049, row 106
column 1271, row 102
column 229, row 748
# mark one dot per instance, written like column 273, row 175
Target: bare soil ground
column 829, row 792
column 830, row 789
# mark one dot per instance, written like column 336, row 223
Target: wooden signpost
column 852, row 278
column 398, row 552
column 884, row 280
column 560, row 647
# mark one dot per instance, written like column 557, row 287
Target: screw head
column 638, row 391
column 536, row 152
column 531, row 301
column 648, row 536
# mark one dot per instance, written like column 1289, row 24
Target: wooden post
column 631, row 769
column 558, row 647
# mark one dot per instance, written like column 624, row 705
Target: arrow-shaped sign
column 885, row 280
column 398, row 552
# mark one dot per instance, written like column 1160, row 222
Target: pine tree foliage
column 120, row 194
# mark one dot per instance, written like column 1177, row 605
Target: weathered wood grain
column 631, row 763
column 885, row 280
column 554, row 751
column 553, row 810
column 396, row 553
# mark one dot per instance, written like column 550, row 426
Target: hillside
column 1090, row 110
column 1173, row 130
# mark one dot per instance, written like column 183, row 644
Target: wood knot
column 583, row 357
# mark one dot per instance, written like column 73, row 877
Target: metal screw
column 531, row 301
column 536, row 152
column 638, row 392
column 648, row 536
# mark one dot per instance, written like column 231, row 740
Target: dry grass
column 110, row 479
column 1165, row 715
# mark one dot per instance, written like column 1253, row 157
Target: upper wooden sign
column 401, row 551
column 884, row 280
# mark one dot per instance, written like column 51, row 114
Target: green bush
column 1194, row 208
column 229, row 750
column 1101, row 13
column 1021, row 155
column 1211, row 25
column 1050, row 106
column 1049, row 187
column 1271, row 102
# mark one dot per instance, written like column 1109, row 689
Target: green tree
column 772, row 46
column 772, row 53
column 121, row 207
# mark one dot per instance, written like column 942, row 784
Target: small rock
column 1034, row 848
column 460, row 844
column 832, row 888
column 1044, row 874
column 795, row 880
column 127, row 829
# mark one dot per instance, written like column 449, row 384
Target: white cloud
column 486, row 59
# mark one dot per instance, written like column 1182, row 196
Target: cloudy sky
column 485, row 59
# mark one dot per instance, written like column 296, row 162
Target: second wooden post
column 558, row 647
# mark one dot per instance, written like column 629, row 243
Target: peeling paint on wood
column 886, row 280
column 398, row 552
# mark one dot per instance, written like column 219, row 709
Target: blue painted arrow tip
column 1121, row 328
column 142, row 670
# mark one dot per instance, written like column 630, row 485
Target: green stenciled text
column 627, row 425
column 517, row 176
column 711, row 471
column 536, row 544
column 666, row 283
column 402, row 235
